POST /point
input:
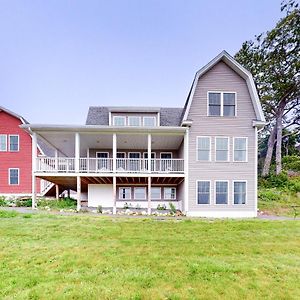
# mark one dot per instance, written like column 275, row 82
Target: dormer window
column 222, row 104
column 134, row 121
column 119, row 121
column 149, row 121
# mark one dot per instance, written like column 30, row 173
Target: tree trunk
column 268, row 159
column 279, row 136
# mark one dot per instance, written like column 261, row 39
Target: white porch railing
column 105, row 165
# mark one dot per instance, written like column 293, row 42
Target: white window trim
column 240, row 137
column 246, row 198
column 121, row 152
column 149, row 117
column 222, row 103
column 102, row 152
column 215, row 192
column 140, row 121
column 203, row 136
column 166, row 153
column 18, row 142
column 139, row 187
column 151, row 155
column 228, row 139
column 210, row 192
column 123, row 117
column 18, row 176
column 156, row 187
column 124, row 187
column 169, row 187
column 5, row 135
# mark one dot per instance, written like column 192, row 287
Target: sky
column 58, row 57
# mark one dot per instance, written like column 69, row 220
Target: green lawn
column 84, row 257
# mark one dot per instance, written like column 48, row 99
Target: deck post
column 34, row 157
column 115, row 195
column 149, row 152
column 77, row 151
column 186, row 173
column 149, row 196
column 114, row 152
column 78, row 193
column 56, row 191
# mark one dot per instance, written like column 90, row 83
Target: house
column 202, row 157
column 16, row 158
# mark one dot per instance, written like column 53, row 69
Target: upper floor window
column 134, row 121
column 222, row 148
column 119, row 120
column 3, row 142
column 203, row 148
column 240, row 149
column 13, row 143
column 221, row 104
column 149, row 121
column 13, row 176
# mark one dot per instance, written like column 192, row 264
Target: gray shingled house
column 202, row 157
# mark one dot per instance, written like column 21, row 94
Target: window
column 221, row 192
column 221, row 104
column 239, row 192
column 149, row 121
column 139, row 193
column 125, row 193
column 222, row 147
column 203, row 192
column 134, row 121
column 119, row 120
column 169, row 193
column 14, row 176
column 240, row 149
column 203, row 148
column 13, row 143
column 3, row 142
column 214, row 104
column 155, row 193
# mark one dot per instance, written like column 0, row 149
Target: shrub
column 291, row 163
column 279, row 181
column 64, row 203
column 99, row 209
column 269, row 195
column 3, row 201
column 161, row 207
column 294, row 185
column 23, row 202
column 172, row 208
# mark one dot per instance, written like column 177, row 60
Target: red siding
column 21, row 159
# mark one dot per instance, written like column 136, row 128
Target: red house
column 15, row 156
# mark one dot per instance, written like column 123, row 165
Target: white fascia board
column 239, row 69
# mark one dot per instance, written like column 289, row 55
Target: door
column 102, row 160
column 134, row 161
column 166, row 161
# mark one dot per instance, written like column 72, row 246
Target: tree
column 274, row 60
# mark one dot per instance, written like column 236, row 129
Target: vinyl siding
column 222, row 78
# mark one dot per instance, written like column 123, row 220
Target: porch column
column 34, row 165
column 149, row 152
column 149, row 196
column 186, row 170
column 114, row 152
column 77, row 151
column 115, row 195
column 78, row 193
column 56, row 191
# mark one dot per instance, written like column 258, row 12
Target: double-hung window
column 239, row 192
column 119, row 120
column 203, row 148
column 140, row 193
column 134, row 121
column 221, row 192
column 169, row 193
column 221, row 104
column 13, row 176
column 240, row 149
column 13, row 143
column 203, row 192
column 222, row 149
column 124, row 193
column 3, row 142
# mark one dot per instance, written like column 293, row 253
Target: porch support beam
column 114, row 152
column 56, row 191
column 77, row 151
column 78, row 193
column 149, row 152
column 149, row 195
column 115, row 195
column 34, row 158
column 186, row 171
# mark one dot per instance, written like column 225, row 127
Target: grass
column 85, row 257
